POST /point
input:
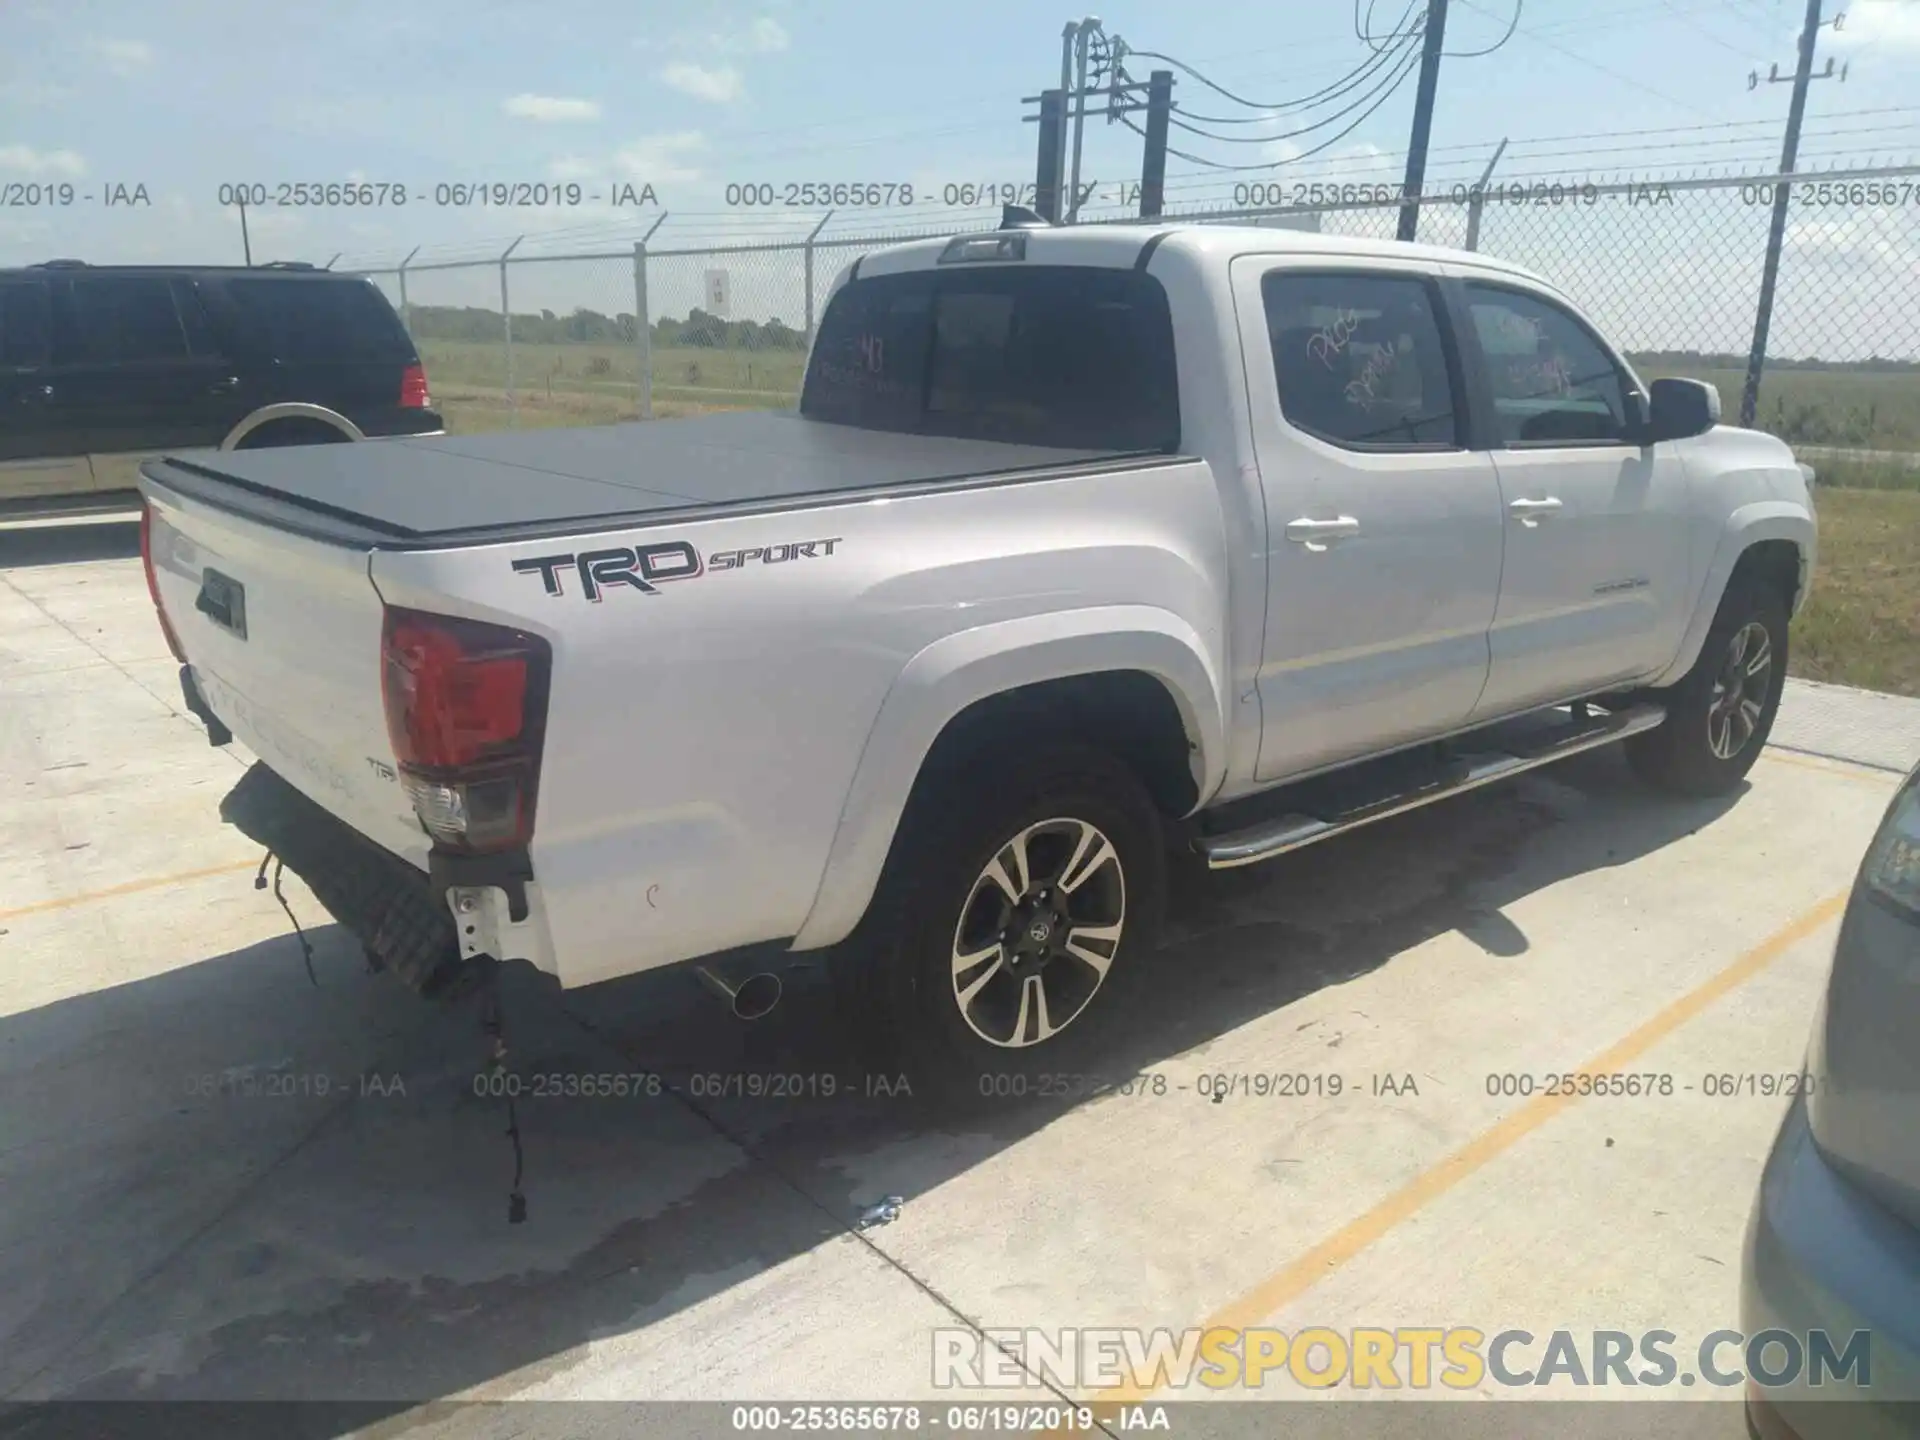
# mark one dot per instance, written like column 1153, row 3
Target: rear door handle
column 1315, row 534
column 1532, row 512
column 36, row 394
column 226, row 385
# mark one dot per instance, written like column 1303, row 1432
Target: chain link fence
column 1669, row 268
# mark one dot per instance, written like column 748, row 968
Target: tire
column 280, row 434
column 1072, row 808
column 1713, row 733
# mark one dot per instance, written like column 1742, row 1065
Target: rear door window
column 26, row 325
column 201, row 339
column 1039, row 355
column 320, row 321
column 1359, row 359
column 122, row 319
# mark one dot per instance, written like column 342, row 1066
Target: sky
column 182, row 97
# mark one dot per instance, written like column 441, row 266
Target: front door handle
column 225, row 385
column 1314, row 534
column 1532, row 512
column 36, row 394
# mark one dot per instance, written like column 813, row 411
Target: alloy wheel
column 1038, row 932
column 1740, row 691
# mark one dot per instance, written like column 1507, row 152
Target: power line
column 1703, row 32
column 1349, row 82
column 1512, row 25
column 1385, row 86
column 1346, row 82
column 1363, row 29
column 1386, row 93
column 1592, row 64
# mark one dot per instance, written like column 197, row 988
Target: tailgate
column 283, row 635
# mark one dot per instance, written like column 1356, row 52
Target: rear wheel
column 1720, row 714
column 282, row 433
column 1023, row 894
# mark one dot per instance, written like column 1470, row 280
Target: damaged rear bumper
column 397, row 913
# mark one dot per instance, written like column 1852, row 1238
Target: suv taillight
column 413, row 388
column 466, row 709
column 153, row 582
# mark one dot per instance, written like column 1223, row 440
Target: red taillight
column 466, row 706
column 413, row 388
column 153, row 582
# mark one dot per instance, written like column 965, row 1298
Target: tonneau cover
column 451, row 488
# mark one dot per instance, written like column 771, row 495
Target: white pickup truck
column 1085, row 548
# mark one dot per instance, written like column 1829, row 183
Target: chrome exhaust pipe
column 750, row 997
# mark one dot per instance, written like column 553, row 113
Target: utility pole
column 246, row 245
column 1068, row 36
column 1053, row 201
column 1153, row 169
column 1088, row 28
column 1776, row 233
column 1435, row 36
column 1046, row 175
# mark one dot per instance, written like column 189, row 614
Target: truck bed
column 467, row 489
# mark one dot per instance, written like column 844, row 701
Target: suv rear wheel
column 1022, row 897
column 280, row 433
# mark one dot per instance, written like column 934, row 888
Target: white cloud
column 123, row 57
column 718, row 83
column 1362, row 160
column 1879, row 25
column 551, row 108
column 41, row 162
column 1855, row 242
column 763, row 35
column 652, row 159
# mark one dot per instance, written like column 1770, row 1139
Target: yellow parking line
column 1841, row 768
column 132, row 887
column 1294, row 1279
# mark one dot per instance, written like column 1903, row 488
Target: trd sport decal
column 646, row 567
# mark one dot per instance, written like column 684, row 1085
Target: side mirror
column 1680, row 409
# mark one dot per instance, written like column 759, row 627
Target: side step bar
column 1282, row 833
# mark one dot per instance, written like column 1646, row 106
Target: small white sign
column 719, row 300
column 1298, row 220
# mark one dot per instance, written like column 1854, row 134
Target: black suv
column 102, row 366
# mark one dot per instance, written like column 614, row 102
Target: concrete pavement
column 223, row 1180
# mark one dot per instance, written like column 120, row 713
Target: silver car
column 1834, row 1241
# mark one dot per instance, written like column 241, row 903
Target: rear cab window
column 1053, row 355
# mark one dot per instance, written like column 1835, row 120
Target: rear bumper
column 389, row 906
column 196, row 703
column 1821, row 1256
column 404, row 425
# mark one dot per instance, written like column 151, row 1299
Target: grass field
column 1862, row 624
column 1871, row 410
column 724, row 378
